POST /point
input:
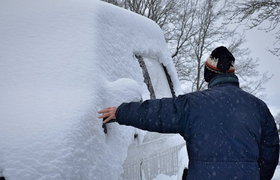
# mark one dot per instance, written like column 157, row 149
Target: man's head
column 221, row 61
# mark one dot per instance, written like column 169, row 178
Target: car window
column 156, row 77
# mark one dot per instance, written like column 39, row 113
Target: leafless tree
column 182, row 28
column 193, row 28
column 254, row 13
column 251, row 80
column 209, row 33
column 159, row 11
column 177, row 20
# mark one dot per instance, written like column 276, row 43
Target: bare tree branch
column 254, row 13
column 193, row 28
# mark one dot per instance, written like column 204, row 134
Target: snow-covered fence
column 165, row 162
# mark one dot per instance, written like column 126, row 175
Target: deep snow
column 61, row 61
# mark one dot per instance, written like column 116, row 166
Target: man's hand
column 109, row 113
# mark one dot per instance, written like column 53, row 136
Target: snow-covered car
column 63, row 61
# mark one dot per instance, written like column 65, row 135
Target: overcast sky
column 258, row 41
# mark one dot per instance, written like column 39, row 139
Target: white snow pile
column 60, row 62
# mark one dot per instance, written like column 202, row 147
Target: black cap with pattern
column 221, row 61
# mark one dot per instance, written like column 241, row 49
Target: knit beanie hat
column 221, row 61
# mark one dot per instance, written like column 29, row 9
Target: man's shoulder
column 194, row 95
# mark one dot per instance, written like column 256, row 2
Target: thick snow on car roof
column 61, row 62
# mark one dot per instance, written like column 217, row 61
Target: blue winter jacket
column 230, row 134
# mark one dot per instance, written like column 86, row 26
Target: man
column 230, row 134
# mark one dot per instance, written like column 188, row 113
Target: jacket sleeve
column 269, row 148
column 165, row 115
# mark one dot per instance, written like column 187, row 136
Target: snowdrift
column 61, row 62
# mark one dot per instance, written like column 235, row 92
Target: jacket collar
column 224, row 79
